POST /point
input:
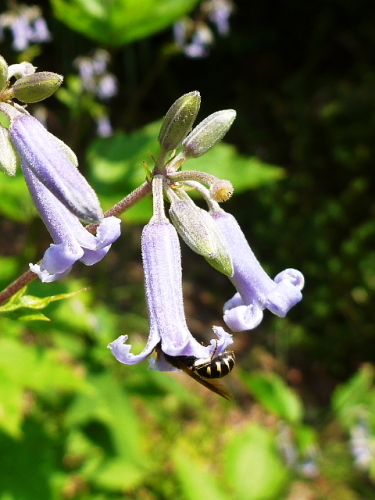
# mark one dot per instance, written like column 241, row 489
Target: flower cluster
column 100, row 83
column 65, row 201
column 194, row 36
column 212, row 233
column 61, row 194
column 26, row 24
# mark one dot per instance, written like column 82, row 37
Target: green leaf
column 29, row 466
column 15, row 200
column 253, row 466
column 108, row 403
column 349, row 400
column 117, row 22
column 11, row 405
column 196, row 480
column 24, row 366
column 21, row 301
column 274, row 394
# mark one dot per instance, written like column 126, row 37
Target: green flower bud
column 8, row 157
column 208, row 133
column 3, row 73
column 36, row 87
column 179, row 120
column 198, row 230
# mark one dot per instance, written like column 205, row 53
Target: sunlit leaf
column 117, row 22
column 274, row 394
column 254, row 469
column 195, row 479
column 22, row 301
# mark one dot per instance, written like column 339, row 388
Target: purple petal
column 41, row 154
column 72, row 241
column 121, row 350
column 161, row 256
column 256, row 290
column 45, row 276
column 243, row 317
column 56, row 263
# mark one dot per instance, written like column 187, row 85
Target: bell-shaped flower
column 161, row 256
column 72, row 241
column 46, row 157
column 256, row 290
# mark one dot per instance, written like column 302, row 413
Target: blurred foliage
column 117, row 22
column 74, row 423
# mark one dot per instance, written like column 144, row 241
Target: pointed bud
column 3, row 73
column 208, row 133
column 36, row 87
column 8, row 157
column 179, row 120
column 197, row 228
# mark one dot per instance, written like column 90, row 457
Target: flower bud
column 208, row 133
column 3, row 73
column 197, row 228
column 179, row 120
column 36, row 87
column 8, row 157
column 221, row 190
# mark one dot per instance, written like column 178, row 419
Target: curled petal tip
column 243, row 317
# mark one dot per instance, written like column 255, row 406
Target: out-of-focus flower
column 95, row 76
column 194, row 39
column 219, row 12
column 26, row 24
column 161, row 256
column 256, row 290
column 101, row 84
column 72, row 241
column 362, row 443
column 104, row 127
column 194, row 36
column 46, row 158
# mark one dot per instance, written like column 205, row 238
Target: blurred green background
column 76, row 424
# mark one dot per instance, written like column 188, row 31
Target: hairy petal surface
column 72, row 241
column 161, row 256
column 41, row 153
column 256, row 290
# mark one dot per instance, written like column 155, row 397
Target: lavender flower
column 94, row 75
column 104, row 127
column 161, row 255
column 193, row 38
column 72, row 241
column 219, row 12
column 26, row 24
column 42, row 154
column 256, row 290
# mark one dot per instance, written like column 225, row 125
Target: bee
column 206, row 370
